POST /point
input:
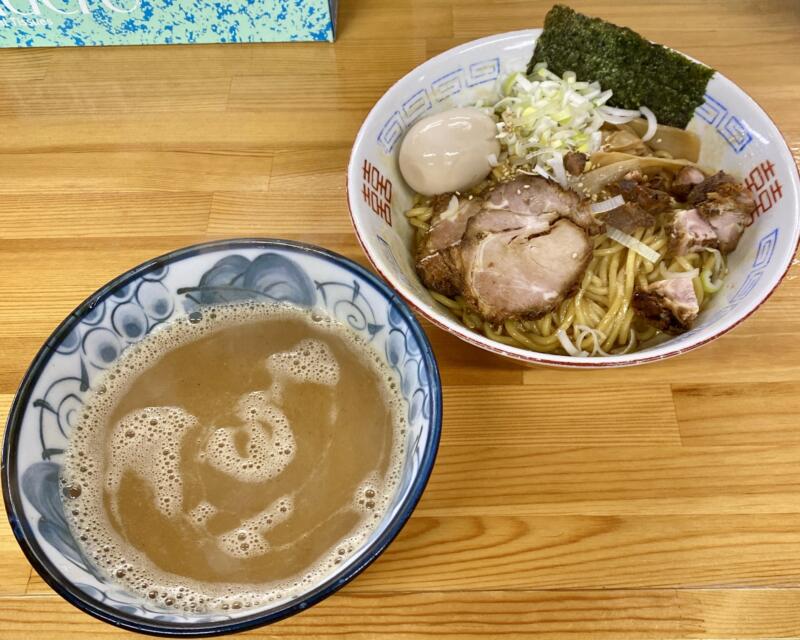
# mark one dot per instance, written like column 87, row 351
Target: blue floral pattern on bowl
column 125, row 311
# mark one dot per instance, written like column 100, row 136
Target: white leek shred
column 633, row 244
column 543, row 116
column 707, row 275
column 559, row 172
column 607, row 205
column 630, row 345
column 492, row 160
column 570, row 348
column 619, row 119
column 452, row 208
column 597, row 335
column 652, row 123
column 717, row 259
column 671, row 275
column 620, row 113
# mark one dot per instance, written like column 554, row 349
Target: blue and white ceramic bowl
column 736, row 134
column 121, row 314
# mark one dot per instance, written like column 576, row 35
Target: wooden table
column 658, row 502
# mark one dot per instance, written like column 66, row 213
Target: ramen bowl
column 737, row 136
column 121, row 314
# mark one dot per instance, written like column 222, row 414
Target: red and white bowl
column 737, row 136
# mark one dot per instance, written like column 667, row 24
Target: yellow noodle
column 530, row 340
column 420, row 212
column 547, row 325
column 594, row 312
column 447, row 302
column 498, row 337
column 699, row 291
column 683, row 263
column 648, row 333
column 609, row 250
column 601, row 292
column 599, row 298
column 594, row 279
column 472, row 320
column 613, row 268
column 625, row 328
column 625, row 314
column 419, row 224
column 539, row 325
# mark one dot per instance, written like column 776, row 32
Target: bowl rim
column 536, row 357
column 58, row 582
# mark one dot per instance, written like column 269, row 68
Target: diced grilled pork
column 685, row 180
column 628, row 218
column 711, row 184
column 688, row 231
column 729, row 215
column 645, row 197
column 726, row 205
column 575, row 162
column 519, row 272
column 670, row 305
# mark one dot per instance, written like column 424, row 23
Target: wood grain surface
column 657, row 502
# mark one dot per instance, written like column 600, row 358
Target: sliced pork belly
column 521, row 272
column 434, row 257
column 449, row 223
column 534, row 195
column 685, row 180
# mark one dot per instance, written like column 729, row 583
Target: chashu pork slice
column 434, row 263
column 534, row 195
column 520, row 272
column 527, row 201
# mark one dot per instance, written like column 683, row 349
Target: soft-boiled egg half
column 449, row 151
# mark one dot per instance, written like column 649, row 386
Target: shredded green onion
column 709, row 286
column 543, row 116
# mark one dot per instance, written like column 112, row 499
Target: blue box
column 49, row 23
